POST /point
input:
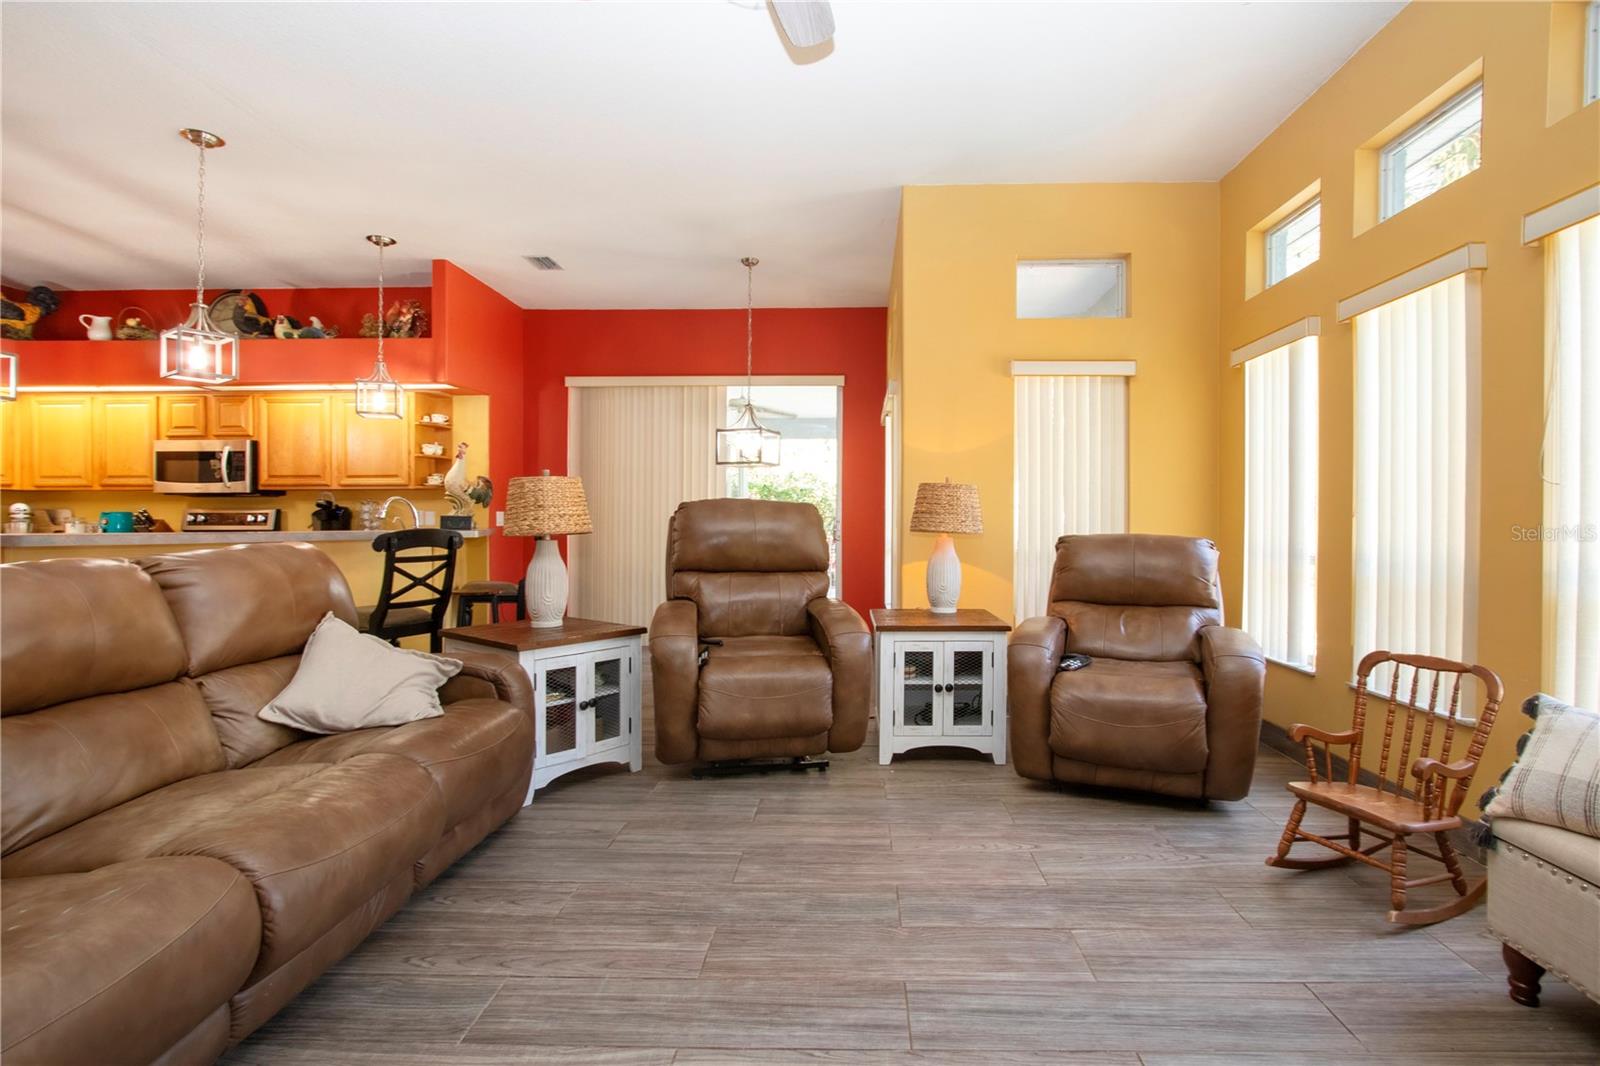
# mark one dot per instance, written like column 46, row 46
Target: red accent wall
column 829, row 340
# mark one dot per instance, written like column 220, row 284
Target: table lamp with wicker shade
column 945, row 508
column 546, row 507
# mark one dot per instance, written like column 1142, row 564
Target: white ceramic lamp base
column 944, row 576
column 546, row 587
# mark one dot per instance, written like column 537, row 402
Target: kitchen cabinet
column 229, row 416
column 124, row 438
column 369, row 451
column 296, row 440
column 10, row 445
column 182, row 415
column 58, row 441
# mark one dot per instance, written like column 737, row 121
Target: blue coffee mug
column 116, row 521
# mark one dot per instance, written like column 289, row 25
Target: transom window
column 1072, row 288
column 1442, row 148
column 1295, row 243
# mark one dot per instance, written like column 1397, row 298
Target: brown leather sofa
column 1172, row 701
column 788, row 671
column 176, row 869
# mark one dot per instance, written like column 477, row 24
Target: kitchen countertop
column 221, row 536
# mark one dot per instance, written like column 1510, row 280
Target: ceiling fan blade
column 806, row 23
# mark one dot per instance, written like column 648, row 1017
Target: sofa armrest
column 1032, row 660
column 847, row 642
column 487, row 676
column 675, row 679
column 1235, row 673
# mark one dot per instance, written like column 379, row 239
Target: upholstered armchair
column 1172, row 700
column 750, row 660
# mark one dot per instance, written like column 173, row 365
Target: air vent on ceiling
column 542, row 262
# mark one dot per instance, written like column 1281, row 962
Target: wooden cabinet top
column 521, row 636
column 913, row 619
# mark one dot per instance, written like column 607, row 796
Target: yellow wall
column 955, row 292
column 1526, row 165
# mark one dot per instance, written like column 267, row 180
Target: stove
column 256, row 518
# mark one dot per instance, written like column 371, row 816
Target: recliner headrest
column 761, row 536
column 1136, row 570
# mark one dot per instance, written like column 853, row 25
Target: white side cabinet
column 941, row 681
column 586, row 690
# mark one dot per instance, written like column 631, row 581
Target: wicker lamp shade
column 546, row 506
column 943, row 507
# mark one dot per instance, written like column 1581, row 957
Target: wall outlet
column 499, row 518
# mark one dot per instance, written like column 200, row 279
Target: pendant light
column 198, row 350
column 8, row 376
column 379, row 396
column 747, row 442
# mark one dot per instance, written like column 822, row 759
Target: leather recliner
column 788, row 672
column 1172, row 700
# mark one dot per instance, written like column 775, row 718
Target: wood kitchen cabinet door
column 59, row 442
column 369, row 451
column 230, row 416
column 296, row 445
column 124, row 441
column 182, row 416
column 10, row 446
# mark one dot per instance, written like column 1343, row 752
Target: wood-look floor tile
column 1468, row 936
column 1152, row 861
column 484, row 898
column 552, row 827
column 1374, row 1057
column 955, row 835
column 867, row 866
column 1068, row 1016
column 658, row 835
column 703, row 1057
column 1082, row 903
column 1468, row 1016
column 535, row 947
column 256, row 1053
column 754, row 951
column 1247, row 955
column 1311, row 899
column 735, row 904
column 704, row 1013
column 851, row 808
column 600, row 864
column 400, row 1012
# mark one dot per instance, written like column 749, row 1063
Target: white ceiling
column 644, row 146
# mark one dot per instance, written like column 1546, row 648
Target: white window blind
column 641, row 451
column 1416, row 472
column 1071, row 472
column 1571, row 533
column 1280, row 502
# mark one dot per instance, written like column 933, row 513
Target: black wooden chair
column 419, row 569
column 493, row 593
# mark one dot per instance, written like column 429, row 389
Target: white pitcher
column 99, row 326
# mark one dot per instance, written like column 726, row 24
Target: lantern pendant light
column 747, row 442
column 379, row 396
column 198, row 350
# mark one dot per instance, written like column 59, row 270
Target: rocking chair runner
column 1429, row 806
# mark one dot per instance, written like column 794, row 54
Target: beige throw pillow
column 1556, row 778
column 351, row 680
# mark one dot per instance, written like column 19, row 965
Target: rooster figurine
column 463, row 492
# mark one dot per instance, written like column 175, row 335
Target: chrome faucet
column 416, row 516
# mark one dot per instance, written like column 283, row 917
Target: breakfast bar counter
column 196, row 539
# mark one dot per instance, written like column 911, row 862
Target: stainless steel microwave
column 206, row 467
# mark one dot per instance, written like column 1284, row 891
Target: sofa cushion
column 763, row 688
column 314, row 840
column 118, row 964
column 68, row 762
column 82, row 627
column 474, row 752
column 1134, row 715
column 294, row 584
column 1575, row 853
column 235, row 696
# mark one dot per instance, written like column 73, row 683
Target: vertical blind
column 1280, row 502
column 640, row 450
column 1572, row 465
column 1071, row 472
column 1416, row 472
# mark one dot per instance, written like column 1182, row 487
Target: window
column 1571, row 532
column 1280, row 502
column 1440, row 149
column 1416, row 468
column 1591, row 55
column 1071, row 466
column 1295, row 243
column 1072, row 288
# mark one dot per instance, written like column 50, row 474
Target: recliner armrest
column 1235, row 672
column 491, row 676
column 675, row 679
column 846, row 641
column 1033, row 658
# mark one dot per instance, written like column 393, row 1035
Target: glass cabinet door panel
column 560, row 710
column 606, row 700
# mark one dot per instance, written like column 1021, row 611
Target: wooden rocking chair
column 1429, row 806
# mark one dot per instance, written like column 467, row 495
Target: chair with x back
column 419, row 567
column 1421, row 798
